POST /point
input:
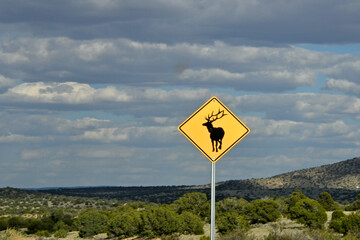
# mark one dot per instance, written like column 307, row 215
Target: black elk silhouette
column 216, row 134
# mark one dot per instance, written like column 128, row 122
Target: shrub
column 262, row 211
column 43, row 233
column 91, row 223
column 337, row 214
column 36, row 225
column 203, row 237
column 191, row 223
column 17, row 222
column 157, row 221
column 61, row 233
column 336, row 222
column 308, row 212
column 296, row 196
column 196, row 203
column 354, row 206
column 351, row 224
column 125, row 224
column 327, row 202
column 231, row 221
column 231, row 204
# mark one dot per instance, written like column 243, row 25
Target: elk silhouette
column 216, row 134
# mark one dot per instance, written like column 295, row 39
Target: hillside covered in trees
column 340, row 179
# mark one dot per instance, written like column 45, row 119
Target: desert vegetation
column 33, row 214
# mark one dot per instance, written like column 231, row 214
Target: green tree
column 196, row 203
column 327, row 202
column 262, row 211
column 157, row 221
column 231, row 204
column 308, row 212
column 61, row 233
column 337, row 214
column 351, row 224
column 38, row 225
column 230, row 222
column 191, row 223
column 125, row 224
column 354, row 206
column 17, row 222
column 296, row 196
column 91, row 223
column 336, row 222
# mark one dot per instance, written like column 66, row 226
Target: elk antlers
column 217, row 116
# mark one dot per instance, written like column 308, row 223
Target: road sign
column 214, row 129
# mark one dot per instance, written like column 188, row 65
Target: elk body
column 216, row 134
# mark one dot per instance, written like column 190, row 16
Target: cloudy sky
column 92, row 91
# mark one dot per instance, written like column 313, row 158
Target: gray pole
column 212, row 232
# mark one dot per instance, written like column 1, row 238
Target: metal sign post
column 212, row 227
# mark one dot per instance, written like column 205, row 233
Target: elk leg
column 216, row 142
column 212, row 141
column 220, row 141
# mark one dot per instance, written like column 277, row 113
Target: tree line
column 188, row 214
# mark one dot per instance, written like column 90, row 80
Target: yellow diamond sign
column 214, row 129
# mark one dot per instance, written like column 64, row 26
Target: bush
column 262, row 211
column 203, row 237
column 196, row 203
column 351, row 224
column 231, row 221
column 91, row 223
column 17, row 222
column 337, row 214
column 191, row 223
column 125, row 224
column 296, row 196
column 157, row 221
column 308, row 212
column 336, row 222
column 354, row 206
column 61, row 233
column 43, row 233
column 231, row 204
column 327, row 202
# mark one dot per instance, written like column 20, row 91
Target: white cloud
column 343, row 85
column 124, row 61
column 66, row 93
column 13, row 138
column 301, row 106
column 69, row 92
column 272, row 80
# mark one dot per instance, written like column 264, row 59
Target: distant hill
column 344, row 175
column 341, row 180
